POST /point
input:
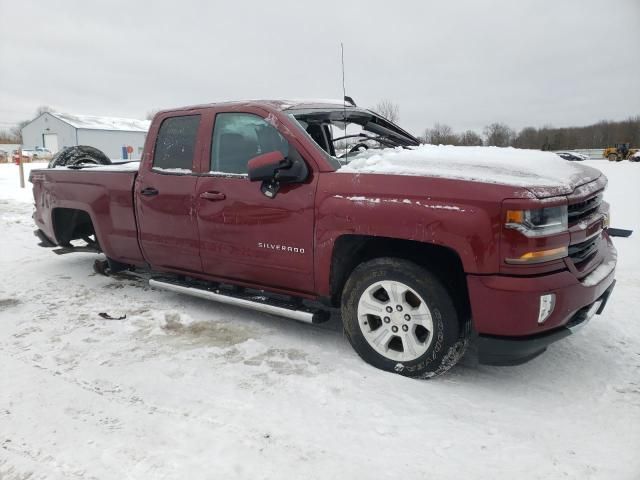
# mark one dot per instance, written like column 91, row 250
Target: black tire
column 449, row 338
column 77, row 155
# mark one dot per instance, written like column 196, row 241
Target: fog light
column 547, row 303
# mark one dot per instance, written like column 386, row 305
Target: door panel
column 164, row 194
column 247, row 236
column 244, row 235
column 168, row 230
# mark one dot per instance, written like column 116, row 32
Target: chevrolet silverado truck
column 302, row 208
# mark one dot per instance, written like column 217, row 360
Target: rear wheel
column 399, row 317
column 78, row 155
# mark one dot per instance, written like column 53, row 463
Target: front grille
column 583, row 251
column 581, row 210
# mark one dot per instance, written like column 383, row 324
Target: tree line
column 599, row 135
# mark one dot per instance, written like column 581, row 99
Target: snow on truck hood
column 543, row 173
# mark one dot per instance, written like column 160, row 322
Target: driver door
column 244, row 235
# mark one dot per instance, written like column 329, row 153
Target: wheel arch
column 350, row 250
column 72, row 224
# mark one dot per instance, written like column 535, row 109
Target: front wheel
column 399, row 317
column 613, row 157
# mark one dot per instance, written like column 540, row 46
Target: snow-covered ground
column 187, row 389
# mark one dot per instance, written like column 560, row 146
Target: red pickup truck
column 301, row 208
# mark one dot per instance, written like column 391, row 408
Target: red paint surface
column 245, row 237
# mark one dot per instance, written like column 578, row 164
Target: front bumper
column 494, row 350
column 505, row 308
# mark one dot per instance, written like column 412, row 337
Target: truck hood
column 544, row 174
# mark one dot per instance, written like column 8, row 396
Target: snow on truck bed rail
column 508, row 166
column 129, row 166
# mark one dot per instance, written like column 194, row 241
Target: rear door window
column 238, row 137
column 176, row 143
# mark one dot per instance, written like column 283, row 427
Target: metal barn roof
column 90, row 122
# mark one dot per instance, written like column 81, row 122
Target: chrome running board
column 255, row 302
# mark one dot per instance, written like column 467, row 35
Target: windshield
column 343, row 133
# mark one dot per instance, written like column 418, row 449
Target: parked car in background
column 4, row 156
column 573, row 156
column 36, row 153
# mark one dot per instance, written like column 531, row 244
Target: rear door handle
column 149, row 191
column 213, row 196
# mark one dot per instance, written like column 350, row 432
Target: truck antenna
column 344, row 96
column 344, row 91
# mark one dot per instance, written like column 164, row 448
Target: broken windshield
column 342, row 133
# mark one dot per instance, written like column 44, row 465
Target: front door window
column 238, row 137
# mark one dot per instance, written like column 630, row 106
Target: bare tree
column 528, row 137
column 8, row 137
column 440, row 134
column 43, row 109
column 469, row 139
column 388, row 109
column 498, row 135
column 16, row 131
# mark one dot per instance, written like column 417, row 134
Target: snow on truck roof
column 280, row 104
column 91, row 122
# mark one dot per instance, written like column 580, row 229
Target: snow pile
column 184, row 387
column 172, row 170
column 10, row 181
column 507, row 166
column 125, row 166
column 309, row 103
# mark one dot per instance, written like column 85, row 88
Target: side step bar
column 85, row 249
column 259, row 303
column 44, row 241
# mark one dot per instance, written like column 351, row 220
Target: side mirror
column 274, row 170
column 264, row 167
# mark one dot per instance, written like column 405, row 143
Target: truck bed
column 104, row 192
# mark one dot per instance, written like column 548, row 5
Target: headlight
column 538, row 222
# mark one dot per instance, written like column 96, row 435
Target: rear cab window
column 175, row 145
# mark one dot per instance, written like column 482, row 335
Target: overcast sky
column 466, row 63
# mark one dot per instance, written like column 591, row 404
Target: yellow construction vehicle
column 620, row 152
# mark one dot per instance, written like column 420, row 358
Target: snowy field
column 187, row 389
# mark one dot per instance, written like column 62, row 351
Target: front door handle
column 149, row 191
column 213, row 196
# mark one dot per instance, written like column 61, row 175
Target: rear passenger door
column 164, row 195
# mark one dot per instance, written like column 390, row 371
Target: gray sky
column 466, row 63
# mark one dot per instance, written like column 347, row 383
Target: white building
column 56, row 131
